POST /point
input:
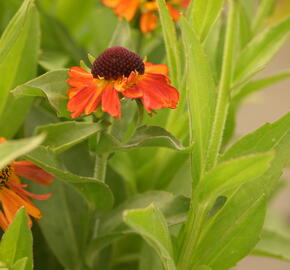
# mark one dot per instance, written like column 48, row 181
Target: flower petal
column 157, row 93
column 158, row 69
column 111, row 3
column 175, row 14
column 12, row 202
column 127, row 8
column 111, row 102
column 3, row 221
column 29, row 170
column 133, row 92
column 77, row 103
column 148, row 22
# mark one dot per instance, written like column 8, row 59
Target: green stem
column 191, row 236
column 224, row 87
column 101, row 167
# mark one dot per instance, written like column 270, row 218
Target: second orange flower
column 148, row 8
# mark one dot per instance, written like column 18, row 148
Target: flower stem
column 224, row 87
column 101, row 167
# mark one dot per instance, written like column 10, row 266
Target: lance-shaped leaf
column 261, row 50
column 97, row 194
column 112, row 226
column 11, row 150
column 122, row 36
column 260, row 84
column 201, row 94
column 232, row 173
column 262, row 140
column 19, row 46
column 264, row 9
column 170, row 38
column 273, row 244
column 151, row 225
column 62, row 136
column 203, row 14
column 174, row 209
column 52, row 85
column 145, row 136
column 16, row 243
column 64, row 224
column 243, row 213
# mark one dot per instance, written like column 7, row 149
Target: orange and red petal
column 11, row 202
column 133, row 92
column 158, row 69
column 157, row 93
column 148, row 22
column 111, row 102
column 18, row 188
column 79, row 102
column 111, row 3
column 175, row 14
column 30, row 171
column 127, row 8
column 3, row 221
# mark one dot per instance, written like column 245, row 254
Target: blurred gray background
column 267, row 106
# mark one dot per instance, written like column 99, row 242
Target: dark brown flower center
column 5, row 173
column 115, row 62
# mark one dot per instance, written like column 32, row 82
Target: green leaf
column 230, row 174
column 262, row 140
column 16, row 243
column 264, row 9
column 203, row 14
column 273, row 244
column 233, row 232
column 173, row 207
column 19, row 46
column 245, row 31
column 201, row 94
column 223, row 96
column 64, row 135
column 52, row 85
column 259, row 84
column 151, row 225
column 97, row 194
column 170, row 39
column 11, row 150
column 64, row 224
column 261, row 49
column 145, row 136
column 21, row 264
column 122, row 36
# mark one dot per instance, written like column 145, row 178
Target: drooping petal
column 157, row 93
column 127, row 8
column 158, row 69
column 85, row 95
column 32, row 172
column 24, row 193
column 12, row 202
column 148, row 22
column 77, row 104
column 110, row 101
column 133, row 92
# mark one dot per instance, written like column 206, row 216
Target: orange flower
column 13, row 194
column 119, row 72
column 148, row 8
